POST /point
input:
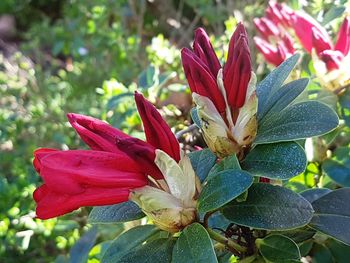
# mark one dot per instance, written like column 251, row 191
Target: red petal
column 52, row 204
column 270, row 53
column 266, row 27
column 40, row 153
column 157, row 131
column 97, row 134
column 201, row 80
column 237, row 72
column 303, row 25
column 332, row 58
column 204, row 50
column 143, row 153
column 343, row 42
column 71, row 172
column 318, row 42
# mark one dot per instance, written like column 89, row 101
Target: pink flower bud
column 237, row 70
column 343, row 42
column 332, row 58
column 319, row 42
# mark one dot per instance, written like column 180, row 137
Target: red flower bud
column 332, row 58
column 237, row 70
column 204, row 50
column 83, row 178
column 304, row 25
column 318, row 42
column 200, row 79
column 266, row 27
column 97, row 134
column 271, row 53
column 158, row 133
column 343, row 42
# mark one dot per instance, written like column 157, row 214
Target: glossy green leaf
column 270, row 207
column 338, row 172
column 195, row 117
column 297, row 121
column 128, row 242
column 333, row 13
column 340, row 251
column 321, row 254
column 194, row 246
column 157, row 250
column 222, row 188
column 230, row 162
column 315, row 193
column 332, row 215
column 202, row 162
column 122, row 212
column 272, row 83
column 278, row 248
column 79, row 253
column 284, row 96
column 279, row 161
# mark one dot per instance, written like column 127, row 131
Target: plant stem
column 226, row 241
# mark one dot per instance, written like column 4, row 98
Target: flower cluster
column 225, row 96
column 155, row 174
column 275, row 43
column 331, row 61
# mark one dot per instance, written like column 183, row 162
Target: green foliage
column 194, row 245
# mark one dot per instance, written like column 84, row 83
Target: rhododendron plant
column 215, row 204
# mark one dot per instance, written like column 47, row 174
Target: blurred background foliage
column 89, row 57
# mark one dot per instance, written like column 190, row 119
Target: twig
column 229, row 243
column 190, row 128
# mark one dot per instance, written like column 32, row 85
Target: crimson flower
column 275, row 43
column 225, row 96
column 153, row 174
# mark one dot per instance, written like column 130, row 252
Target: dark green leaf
column 332, row 215
column 284, row 96
column 230, row 162
column 158, row 250
column 276, row 161
column 272, row 83
column 313, row 194
column 148, row 77
column 338, row 172
column 79, row 253
column 340, row 251
column 128, row 242
column 344, row 101
column 298, row 121
column 222, row 188
column 300, row 234
column 278, row 248
column 195, row 117
column 333, row 13
column 202, row 161
column 270, row 207
column 123, row 212
column 194, row 245
column 321, row 254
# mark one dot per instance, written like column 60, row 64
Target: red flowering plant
column 207, row 205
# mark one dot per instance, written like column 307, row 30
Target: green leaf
column 202, row 162
column 340, row 251
column 298, row 121
column 285, row 95
column 279, row 161
column 332, row 215
column 158, row 250
column 194, row 245
column 313, row 194
column 270, row 207
column 278, row 248
column 229, row 162
column 195, row 117
column 128, row 242
column 333, row 13
column 79, row 253
column 272, row 83
column 222, row 188
column 338, row 172
column 321, row 254
column 148, row 77
column 123, row 212
column 344, row 101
